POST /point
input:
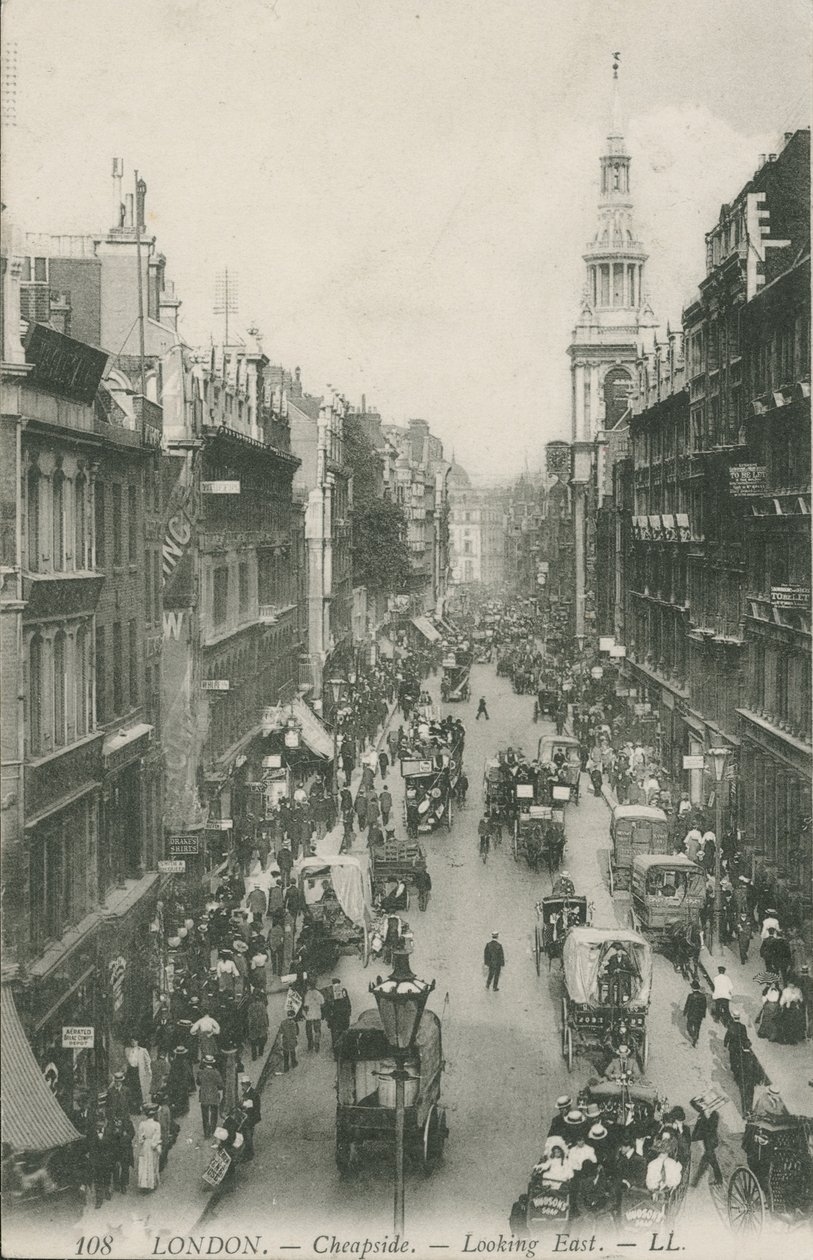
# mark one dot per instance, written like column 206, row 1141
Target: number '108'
column 94, row 1245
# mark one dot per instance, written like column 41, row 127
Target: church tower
column 616, row 319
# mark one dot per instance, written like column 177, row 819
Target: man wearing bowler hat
column 494, row 959
column 210, row 1092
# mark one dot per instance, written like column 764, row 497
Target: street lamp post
column 337, row 684
column 719, row 758
column 401, row 1000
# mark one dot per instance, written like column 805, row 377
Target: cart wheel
column 516, row 843
column 564, row 1025
column 365, row 949
column 746, row 1203
column 569, row 1048
column 434, row 1136
column 631, row 921
column 645, row 1051
column 450, row 815
column 612, row 877
column 537, row 951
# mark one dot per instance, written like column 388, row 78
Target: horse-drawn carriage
column 555, row 916
column 607, row 980
column 396, row 859
column 496, row 789
column 455, row 684
column 337, row 894
column 563, row 752
column 428, row 790
column 539, row 836
column 668, row 892
column 634, row 830
column 777, row 1180
column 557, row 1192
column 365, row 1087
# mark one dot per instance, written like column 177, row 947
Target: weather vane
column 616, row 62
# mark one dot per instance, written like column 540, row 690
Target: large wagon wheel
column 516, row 841
column 365, row 947
column 449, row 813
column 434, row 1136
column 612, row 877
column 564, row 1022
column 746, row 1202
column 569, row 1048
column 644, row 1050
column 537, row 950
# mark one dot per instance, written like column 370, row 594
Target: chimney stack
column 771, row 157
column 118, row 173
column 761, row 161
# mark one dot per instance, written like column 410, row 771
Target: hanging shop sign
column 747, row 480
column 791, row 597
column 78, row 1036
column 606, row 643
column 560, row 792
column 220, row 487
column 694, row 762
column 172, row 866
column 184, row 844
column 215, row 684
column 63, row 365
column 220, row 824
column 618, row 649
column 273, row 761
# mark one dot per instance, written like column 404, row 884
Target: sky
column 404, row 189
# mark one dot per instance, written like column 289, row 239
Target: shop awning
column 426, row 628
column 32, row 1119
column 314, row 732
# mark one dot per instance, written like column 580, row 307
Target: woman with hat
column 553, row 1169
column 148, row 1146
column 767, row 1021
column 240, row 957
column 139, row 1073
column 227, row 973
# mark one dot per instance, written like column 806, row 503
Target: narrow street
column 504, row 1068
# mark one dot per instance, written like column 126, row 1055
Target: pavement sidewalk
column 789, row 1068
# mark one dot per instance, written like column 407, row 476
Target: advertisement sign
column 606, row 643
column 694, row 762
column 561, row 792
column 63, row 365
column 176, row 561
column 172, row 866
column 524, row 791
column 214, row 684
column 273, row 761
column 642, row 709
column 220, row 487
column 596, row 672
column 183, row 844
column 77, row 1036
column 746, row 480
column 791, row 597
column 540, row 811
column 291, row 739
column 220, row 824
column 618, row 649
column 410, row 766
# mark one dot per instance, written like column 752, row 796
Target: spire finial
column 616, row 63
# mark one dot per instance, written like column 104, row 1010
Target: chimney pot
column 761, row 162
column 771, row 157
column 788, row 136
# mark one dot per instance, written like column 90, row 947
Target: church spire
column 615, row 108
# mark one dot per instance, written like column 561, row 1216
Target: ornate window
column 58, row 521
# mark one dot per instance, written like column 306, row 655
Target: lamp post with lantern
column 337, row 686
column 719, row 759
column 401, row 1000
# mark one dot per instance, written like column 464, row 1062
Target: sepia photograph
column 405, row 628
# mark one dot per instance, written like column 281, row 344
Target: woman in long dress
column 148, row 1148
column 768, row 1017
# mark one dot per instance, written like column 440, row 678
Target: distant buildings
column 477, row 532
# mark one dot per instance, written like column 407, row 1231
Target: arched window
column 33, row 519
column 80, row 548
column 59, row 689
column 81, row 675
column 58, row 521
column 35, row 696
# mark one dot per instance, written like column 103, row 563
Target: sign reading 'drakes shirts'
column 183, row 844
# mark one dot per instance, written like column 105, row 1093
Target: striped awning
column 32, row 1119
column 424, row 625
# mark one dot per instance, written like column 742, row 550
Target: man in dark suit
column 494, row 959
column 706, row 1131
column 629, row 1169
